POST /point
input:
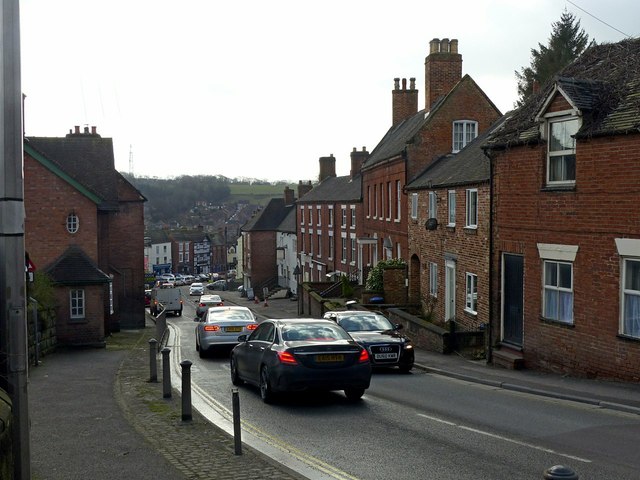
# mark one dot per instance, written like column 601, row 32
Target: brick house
column 329, row 223
column 259, row 243
column 84, row 227
column 456, row 111
column 565, row 262
column 449, row 238
column 190, row 251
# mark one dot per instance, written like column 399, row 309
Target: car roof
column 196, row 284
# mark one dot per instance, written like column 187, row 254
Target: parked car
column 189, row 279
column 220, row 327
column 147, row 298
column 217, row 285
column 300, row 354
column 375, row 332
column 166, row 277
column 196, row 288
column 207, row 301
column 179, row 281
column 168, row 297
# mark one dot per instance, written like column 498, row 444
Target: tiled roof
column 469, row 166
column 288, row 225
column 269, row 218
column 88, row 158
column 74, row 267
column 604, row 82
column 335, row 189
column 189, row 236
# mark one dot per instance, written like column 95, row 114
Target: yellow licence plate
column 233, row 329
column 330, row 358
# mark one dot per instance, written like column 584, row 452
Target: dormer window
column 561, row 154
column 464, row 131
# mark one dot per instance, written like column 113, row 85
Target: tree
column 566, row 43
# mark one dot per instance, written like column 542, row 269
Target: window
column 398, row 199
column 389, row 201
column 311, row 243
column 157, row 250
column 301, row 215
column 73, row 223
column 76, row 303
column 318, row 213
column 319, row 244
column 310, row 215
column 414, row 205
column 368, row 201
column 353, row 250
column 558, row 291
column 464, row 132
column 451, row 201
column 344, row 216
column 344, row 249
column 561, row 163
column 471, row 305
column 375, row 201
column 331, row 246
column 631, row 297
column 433, row 279
column 331, row 215
column 472, row 208
column 433, row 200
column 353, row 216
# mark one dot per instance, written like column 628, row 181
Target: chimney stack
column 288, row 196
column 404, row 101
column 327, row 167
column 77, row 129
column 304, row 188
column 357, row 160
column 443, row 69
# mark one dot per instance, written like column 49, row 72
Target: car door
column 255, row 348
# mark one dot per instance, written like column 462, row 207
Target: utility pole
column 13, row 317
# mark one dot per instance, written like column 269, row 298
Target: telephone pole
column 13, row 319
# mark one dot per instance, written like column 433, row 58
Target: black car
column 386, row 345
column 298, row 355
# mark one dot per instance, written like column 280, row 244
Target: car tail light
column 287, row 357
column 364, row 356
column 252, row 326
column 201, row 305
column 221, row 304
column 211, row 328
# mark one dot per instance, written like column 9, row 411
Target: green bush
column 347, row 288
column 43, row 291
column 374, row 279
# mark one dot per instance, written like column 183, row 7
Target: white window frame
column 557, row 290
column 319, row 244
column 433, row 205
column 451, row 205
column 301, row 215
column 433, row 279
column 353, row 216
column 331, row 246
column 354, row 252
column 375, row 201
column 414, row 206
column 343, row 248
column 570, row 152
column 471, row 293
column 460, row 139
column 343, row 209
column 310, row 212
column 73, row 223
column 630, row 292
column 389, row 201
column 319, row 214
column 368, row 201
column 330, row 215
column 471, row 208
column 77, row 304
column 398, row 199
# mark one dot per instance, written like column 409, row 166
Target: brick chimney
column 288, row 196
column 443, row 69
column 357, row 160
column 404, row 101
column 303, row 188
column 327, row 167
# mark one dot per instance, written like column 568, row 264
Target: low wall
column 423, row 334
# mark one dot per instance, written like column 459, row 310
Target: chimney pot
column 93, row 130
column 396, row 83
column 444, row 45
column 454, row 45
column 434, row 45
column 412, row 83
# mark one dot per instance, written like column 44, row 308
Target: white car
column 196, row 289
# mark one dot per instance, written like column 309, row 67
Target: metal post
column 13, row 317
column 186, row 390
column 560, row 472
column 237, row 431
column 36, row 332
column 166, row 373
column 153, row 363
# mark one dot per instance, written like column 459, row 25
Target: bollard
column 166, row 373
column 560, row 472
column 153, row 363
column 186, row 390
column 237, row 431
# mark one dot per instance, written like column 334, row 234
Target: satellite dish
column 431, row 224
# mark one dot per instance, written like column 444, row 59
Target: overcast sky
column 262, row 89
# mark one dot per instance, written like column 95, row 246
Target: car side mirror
column 399, row 326
column 243, row 338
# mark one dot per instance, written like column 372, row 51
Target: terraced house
column 566, row 228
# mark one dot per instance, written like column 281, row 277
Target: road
column 426, row 426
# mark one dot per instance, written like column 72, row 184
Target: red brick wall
column 87, row 331
column 262, row 251
column 469, row 247
column 602, row 207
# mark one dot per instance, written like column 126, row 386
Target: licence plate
column 330, row 358
column 233, row 329
column 385, row 356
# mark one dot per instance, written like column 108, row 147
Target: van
column 166, row 295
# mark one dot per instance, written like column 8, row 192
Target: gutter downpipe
column 491, row 265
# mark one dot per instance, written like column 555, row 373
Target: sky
column 263, row 89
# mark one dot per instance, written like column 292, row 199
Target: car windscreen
column 315, row 333
column 365, row 323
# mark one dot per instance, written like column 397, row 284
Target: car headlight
column 408, row 346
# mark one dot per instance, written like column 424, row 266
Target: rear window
column 230, row 315
column 315, row 333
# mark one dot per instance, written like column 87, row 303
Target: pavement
column 95, row 414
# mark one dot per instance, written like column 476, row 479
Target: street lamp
column 296, row 273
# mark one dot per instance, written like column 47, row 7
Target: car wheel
column 265, row 386
column 235, row 378
column 202, row 352
column 197, row 344
column 406, row 368
column 354, row 394
column 180, row 312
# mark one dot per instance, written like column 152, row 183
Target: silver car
column 220, row 327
